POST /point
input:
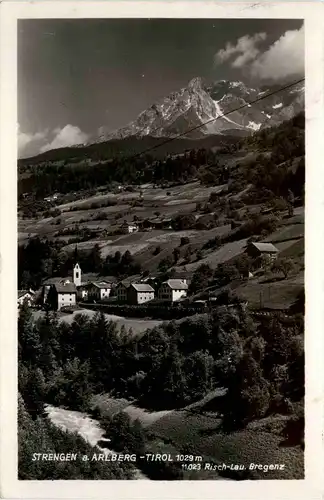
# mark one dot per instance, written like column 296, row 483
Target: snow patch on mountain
column 205, row 108
column 254, row 126
column 264, row 113
column 220, row 113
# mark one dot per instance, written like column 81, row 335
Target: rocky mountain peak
column 221, row 107
column 196, row 83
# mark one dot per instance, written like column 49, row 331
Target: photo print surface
column 161, row 187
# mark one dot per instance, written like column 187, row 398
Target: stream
column 88, row 428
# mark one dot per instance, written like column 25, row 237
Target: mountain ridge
column 198, row 103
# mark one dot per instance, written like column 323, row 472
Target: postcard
column 156, row 162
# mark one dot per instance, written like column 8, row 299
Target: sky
column 78, row 75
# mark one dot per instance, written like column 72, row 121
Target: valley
column 168, row 377
column 160, row 250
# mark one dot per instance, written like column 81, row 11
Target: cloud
column 69, row 135
column 39, row 142
column 284, row 58
column 25, row 139
column 245, row 50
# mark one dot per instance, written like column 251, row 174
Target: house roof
column 21, row 293
column 265, row 247
column 54, row 281
column 160, row 220
column 128, row 281
column 125, row 223
column 108, row 279
column 101, row 284
column 126, row 284
column 142, row 287
column 67, row 288
column 176, row 284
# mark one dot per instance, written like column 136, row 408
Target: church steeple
column 77, row 275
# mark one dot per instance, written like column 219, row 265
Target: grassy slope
column 289, row 237
column 138, row 326
column 196, row 431
column 200, row 434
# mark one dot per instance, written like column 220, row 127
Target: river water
column 88, row 428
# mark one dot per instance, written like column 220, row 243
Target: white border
column 311, row 487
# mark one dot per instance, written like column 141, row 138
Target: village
column 65, row 293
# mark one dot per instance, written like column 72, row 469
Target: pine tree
column 76, row 256
column 35, row 391
column 248, row 395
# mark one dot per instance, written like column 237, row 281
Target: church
column 58, row 292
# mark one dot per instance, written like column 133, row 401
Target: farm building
column 139, row 293
column 25, row 296
column 173, row 290
column 51, row 198
column 61, row 294
column 98, row 290
column 83, row 291
column 47, row 284
column 160, row 223
column 256, row 249
column 128, row 227
column 122, row 291
column 63, row 281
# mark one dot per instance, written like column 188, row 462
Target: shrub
column 225, row 273
column 101, row 216
column 199, row 254
column 176, row 254
column 125, row 436
column 213, row 243
column 201, row 278
column 184, row 241
column 54, row 213
column 165, row 264
column 284, row 266
column 187, row 254
column 257, row 225
column 183, row 222
column 157, row 250
column 248, row 395
column 294, row 430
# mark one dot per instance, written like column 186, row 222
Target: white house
column 139, row 293
column 61, row 295
column 173, row 290
column 129, row 227
column 48, row 284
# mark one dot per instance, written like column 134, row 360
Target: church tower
column 77, row 275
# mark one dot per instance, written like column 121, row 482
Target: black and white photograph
column 160, row 249
column 161, row 182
